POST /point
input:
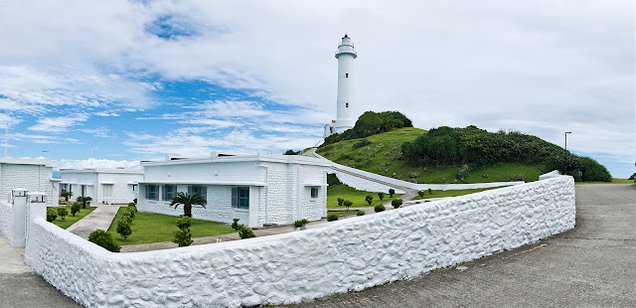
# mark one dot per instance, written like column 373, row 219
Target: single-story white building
column 104, row 186
column 259, row 189
column 28, row 174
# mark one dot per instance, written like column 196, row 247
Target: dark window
column 241, row 197
column 152, row 192
column 346, row 105
column 169, row 191
column 346, row 75
column 201, row 190
column 314, row 192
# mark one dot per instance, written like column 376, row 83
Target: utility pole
column 566, row 152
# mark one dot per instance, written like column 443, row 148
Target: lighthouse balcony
column 343, row 49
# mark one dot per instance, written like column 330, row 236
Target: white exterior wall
column 302, row 265
column 6, row 215
column 94, row 184
column 346, row 55
column 27, row 176
column 280, row 193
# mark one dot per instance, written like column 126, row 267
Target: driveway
column 593, row 265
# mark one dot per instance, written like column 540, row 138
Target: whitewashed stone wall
column 29, row 177
column 340, row 256
column 6, row 220
column 414, row 186
column 549, row 175
column 363, row 184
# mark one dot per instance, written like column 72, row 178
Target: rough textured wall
column 30, row 177
column 344, row 255
column 6, row 220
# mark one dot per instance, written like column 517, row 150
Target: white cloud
column 58, row 124
column 96, row 163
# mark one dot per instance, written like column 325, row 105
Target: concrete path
column 100, row 218
column 593, row 265
column 20, row 287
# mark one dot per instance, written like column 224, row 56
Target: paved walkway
column 20, row 287
column 100, row 218
column 593, row 265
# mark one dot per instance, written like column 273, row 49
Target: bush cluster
column 300, row 223
column 472, row 146
column 379, row 208
column 51, row 215
column 371, row 123
column 125, row 222
column 332, row 217
column 75, row 208
column 62, row 211
column 243, row 230
column 381, row 195
column 396, row 203
column 104, row 239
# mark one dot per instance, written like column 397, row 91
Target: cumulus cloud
column 58, row 124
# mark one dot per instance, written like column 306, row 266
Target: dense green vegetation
column 453, row 155
column 371, row 123
column 151, row 228
column 70, row 219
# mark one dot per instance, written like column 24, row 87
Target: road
column 593, row 265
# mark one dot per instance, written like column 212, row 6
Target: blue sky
column 123, row 81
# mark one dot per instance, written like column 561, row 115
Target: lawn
column 353, row 195
column 341, row 214
column 69, row 220
column 450, row 193
column 152, row 228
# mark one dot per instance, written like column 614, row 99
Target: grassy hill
column 381, row 154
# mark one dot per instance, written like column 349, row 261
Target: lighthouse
column 345, row 113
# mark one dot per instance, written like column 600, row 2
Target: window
column 346, row 105
column 241, row 197
column 346, row 75
column 107, row 190
column 152, row 191
column 314, row 192
column 169, row 191
column 196, row 189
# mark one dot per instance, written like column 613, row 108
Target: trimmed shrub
column 51, row 214
column 128, row 215
column 368, row 199
column 360, row 213
column 124, row 228
column 235, row 224
column 348, row 204
column 132, row 204
column 396, row 203
column 184, row 222
column 420, row 193
column 133, row 208
column 130, row 211
column 300, row 223
column 104, row 239
column 182, row 237
column 62, row 212
column 430, row 191
column 75, row 208
column 381, row 195
column 391, row 192
column 245, row 231
column 379, row 208
column 332, row 217
column 341, row 201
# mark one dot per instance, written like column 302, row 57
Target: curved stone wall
column 349, row 254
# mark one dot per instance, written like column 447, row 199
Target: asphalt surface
column 593, row 265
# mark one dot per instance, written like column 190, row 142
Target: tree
column 396, row 203
column 420, row 193
column 391, row 192
column 123, row 228
column 66, row 194
column 85, row 201
column 348, row 204
column 188, row 200
column 341, row 201
column 62, row 212
column 75, row 208
column 381, row 195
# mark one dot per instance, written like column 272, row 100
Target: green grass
column 69, row 219
column 152, row 228
column 382, row 157
column 344, row 213
column 450, row 193
column 353, row 195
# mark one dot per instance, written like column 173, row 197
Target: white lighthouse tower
column 345, row 117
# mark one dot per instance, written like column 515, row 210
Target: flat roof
column 26, row 161
column 283, row 159
column 104, row 170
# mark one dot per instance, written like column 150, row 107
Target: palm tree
column 188, row 200
column 66, row 194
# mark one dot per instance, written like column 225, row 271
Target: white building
column 28, row 174
column 258, row 189
column 345, row 113
column 104, row 186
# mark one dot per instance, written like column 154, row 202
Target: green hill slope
column 382, row 155
column 458, row 155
